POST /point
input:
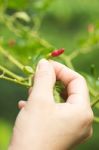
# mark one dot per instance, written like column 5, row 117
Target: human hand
column 43, row 124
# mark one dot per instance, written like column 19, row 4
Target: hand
column 43, row 124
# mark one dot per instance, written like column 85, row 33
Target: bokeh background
column 64, row 23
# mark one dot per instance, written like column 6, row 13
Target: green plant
column 5, row 133
column 22, row 47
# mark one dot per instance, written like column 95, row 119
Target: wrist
column 29, row 141
column 36, row 144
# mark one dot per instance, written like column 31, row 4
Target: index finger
column 74, row 82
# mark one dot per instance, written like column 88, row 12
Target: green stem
column 92, row 91
column 74, row 54
column 83, row 50
column 11, row 74
column 11, row 58
column 8, row 22
column 42, row 41
column 46, row 4
column 68, row 61
column 26, row 84
column 96, row 119
column 45, row 43
column 94, row 102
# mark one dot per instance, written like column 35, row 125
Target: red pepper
column 11, row 42
column 91, row 28
column 58, row 52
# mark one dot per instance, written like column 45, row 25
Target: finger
column 44, row 81
column 75, row 83
column 21, row 104
column 30, row 90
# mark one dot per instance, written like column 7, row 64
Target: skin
column 43, row 124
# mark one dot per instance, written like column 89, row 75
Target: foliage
column 22, row 32
column 21, row 45
column 5, row 132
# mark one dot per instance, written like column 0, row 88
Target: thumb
column 44, row 80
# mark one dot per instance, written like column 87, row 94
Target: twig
column 42, row 41
column 94, row 102
column 92, row 91
column 15, row 81
column 83, row 50
column 11, row 74
column 8, row 22
column 68, row 61
column 11, row 58
column 74, row 54
column 96, row 119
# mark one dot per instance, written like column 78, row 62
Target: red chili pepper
column 58, row 52
column 11, row 42
column 91, row 28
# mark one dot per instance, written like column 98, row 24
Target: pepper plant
column 21, row 47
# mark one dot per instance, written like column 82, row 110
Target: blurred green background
column 64, row 23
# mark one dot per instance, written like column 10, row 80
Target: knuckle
column 89, row 134
column 86, row 129
column 87, row 118
column 85, row 122
column 82, row 78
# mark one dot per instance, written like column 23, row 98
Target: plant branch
column 92, row 91
column 26, row 84
column 8, row 22
column 11, row 58
column 42, row 41
column 96, row 119
column 68, row 61
column 11, row 74
column 95, row 102
column 83, row 50
column 74, row 54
